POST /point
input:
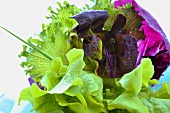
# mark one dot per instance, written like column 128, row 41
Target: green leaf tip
column 29, row 44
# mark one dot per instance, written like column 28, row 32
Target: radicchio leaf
column 161, row 61
column 152, row 44
column 155, row 41
column 150, row 20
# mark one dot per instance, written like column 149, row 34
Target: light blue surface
column 6, row 104
column 166, row 77
column 27, row 109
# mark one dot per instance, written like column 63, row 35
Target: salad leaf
column 51, row 43
column 128, row 101
column 111, row 40
column 126, row 51
column 100, row 59
column 155, row 41
column 70, row 91
column 157, row 105
column 76, row 64
column 93, row 49
column 41, row 99
column 93, row 20
column 109, row 7
column 149, row 19
column 140, row 74
column 26, row 95
column 163, row 92
column 160, row 65
column 132, row 98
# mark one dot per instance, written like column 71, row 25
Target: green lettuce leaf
column 157, row 105
column 141, row 75
column 69, row 78
column 76, row 64
column 128, row 101
column 54, row 41
column 26, row 95
column 68, row 91
column 42, row 101
column 135, row 84
column 163, row 92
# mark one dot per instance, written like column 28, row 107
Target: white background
column 25, row 17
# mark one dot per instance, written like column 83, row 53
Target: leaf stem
column 29, row 44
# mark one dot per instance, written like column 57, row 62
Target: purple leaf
column 93, row 47
column 118, row 25
column 121, row 3
column 31, row 81
column 93, row 20
column 155, row 43
column 150, row 20
column 161, row 61
column 152, row 44
column 111, row 63
column 123, row 59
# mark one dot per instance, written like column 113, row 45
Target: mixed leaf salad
column 103, row 58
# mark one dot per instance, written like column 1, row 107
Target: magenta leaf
column 155, row 45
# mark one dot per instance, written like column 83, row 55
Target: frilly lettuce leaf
column 163, row 92
column 128, row 101
column 74, row 88
column 54, row 41
column 42, row 101
column 136, row 97
column 76, row 64
column 143, row 73
column 156, row 105
column 70, row 83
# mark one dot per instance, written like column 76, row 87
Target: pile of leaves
column 98, row 59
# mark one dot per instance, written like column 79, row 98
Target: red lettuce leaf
column 118, row 25
column 126, row 50
column 92, row 47
column 93, row 20
column 155, row 43
column 119, row 46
